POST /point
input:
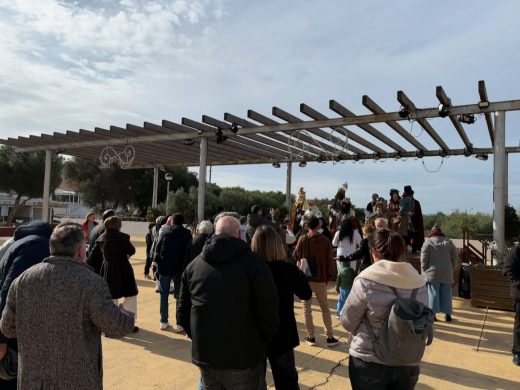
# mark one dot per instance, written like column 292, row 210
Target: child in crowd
column 344, row 282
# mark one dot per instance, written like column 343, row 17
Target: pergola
column 260, row 139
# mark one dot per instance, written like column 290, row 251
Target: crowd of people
column 234, row 286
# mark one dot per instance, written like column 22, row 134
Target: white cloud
column 70, row 65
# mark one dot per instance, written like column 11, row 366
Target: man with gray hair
column 228, row 306
column 57, row 310
column 381, row 223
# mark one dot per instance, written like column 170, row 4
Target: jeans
column 516, row 329
column 283, row 368
column 374, row 376
column 342, row 297
column 164, row 283
column 229, row 379
column 320, row 290
column 439, row 297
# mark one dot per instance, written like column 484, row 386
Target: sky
column 67, row 65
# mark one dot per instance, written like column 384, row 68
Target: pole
column 47, row 186
column 499, row 175
column 155, row 186
column 202, row 178
column 288, row 187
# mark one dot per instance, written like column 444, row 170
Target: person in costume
column 416, row 232
column 398, row 216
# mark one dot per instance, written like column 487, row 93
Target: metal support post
column 202, row 178
column 155, row 186
column 499, row 175
column 47, row 186
column 288, row 187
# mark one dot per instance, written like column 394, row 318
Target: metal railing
column 476, row 248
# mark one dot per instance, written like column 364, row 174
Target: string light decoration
column 110, row 157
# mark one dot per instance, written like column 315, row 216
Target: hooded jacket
column 371, row 297
column 228, row 305
column 438, row 259
column 30, row 247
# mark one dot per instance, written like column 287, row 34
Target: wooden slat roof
column 263, row 139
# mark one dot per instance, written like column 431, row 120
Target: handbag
column 313, row 267
column 9, row 365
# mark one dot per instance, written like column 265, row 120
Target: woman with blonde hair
column 290, row 281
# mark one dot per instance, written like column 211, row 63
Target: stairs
column 475, row 248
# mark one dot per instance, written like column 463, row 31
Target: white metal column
column 499, row 182
column 202, row 178
column 155, row 186
column 47, row 186
column 288, row 187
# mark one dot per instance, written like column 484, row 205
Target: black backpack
column 406, row 331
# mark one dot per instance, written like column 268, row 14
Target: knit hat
column 394, row 191
column 394, row 274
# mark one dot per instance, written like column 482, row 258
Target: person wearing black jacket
column 203, row 232
column 363, row 252
column 228, row 306
column 289, row 281
column 512, row 273
column 98, row 230
column 169, row 257
column 30, row 246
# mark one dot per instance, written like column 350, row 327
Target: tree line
column 131, row 190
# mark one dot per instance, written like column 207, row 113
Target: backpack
column 406, row 331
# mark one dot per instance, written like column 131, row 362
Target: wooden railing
column 475, row 247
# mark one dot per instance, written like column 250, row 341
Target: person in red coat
column 89, row 224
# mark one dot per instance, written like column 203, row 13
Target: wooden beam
column 407, row 102
column 345, row 112
column 278, row 112
column 489, row 120
column 372, row 106
column 509, row 105
column 314, row 114
column 444, row 99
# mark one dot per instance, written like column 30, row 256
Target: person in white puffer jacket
column 438, row 260
column 371, row 297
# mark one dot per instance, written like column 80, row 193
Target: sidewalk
column 473, row 352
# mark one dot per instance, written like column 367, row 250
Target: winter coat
column 512, row 272
column 30, row 247
column 289, row 281
column 362, row 253
column 438, row 259
column 228, row 305
column 316, row 246
column 84, row 225
column 371, row 296
column 57, row 310
column 171, row 249
column 94, row 235
column 195, row 248
column 116, row 269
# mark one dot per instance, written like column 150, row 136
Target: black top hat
column 408, row 190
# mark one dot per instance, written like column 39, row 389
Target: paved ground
column 473, row 352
